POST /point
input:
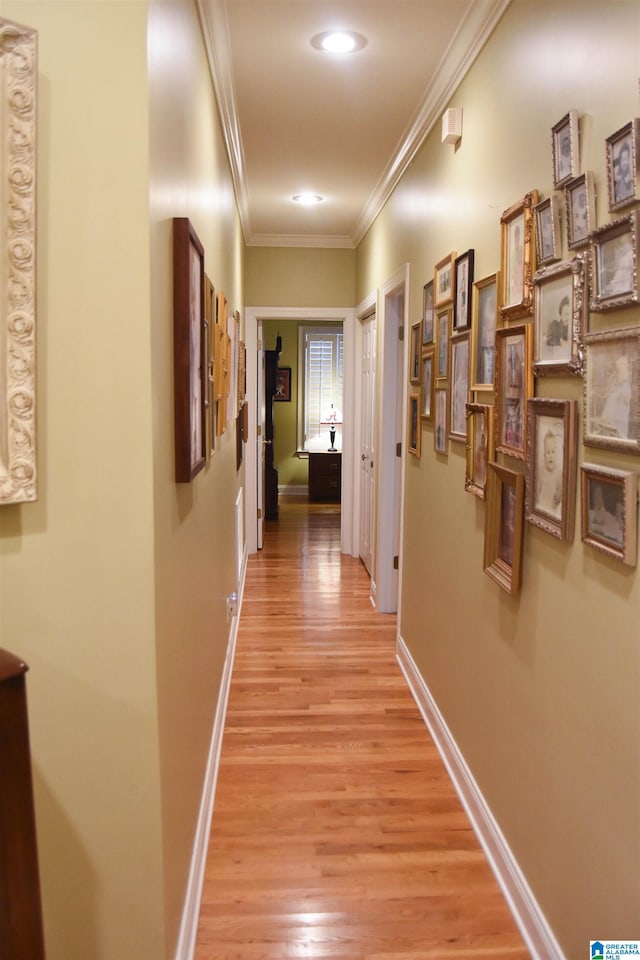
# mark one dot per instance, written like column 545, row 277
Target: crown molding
column 298, row 240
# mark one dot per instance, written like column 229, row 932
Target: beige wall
column 113, row 585
column 540, row 692
column 303, row 277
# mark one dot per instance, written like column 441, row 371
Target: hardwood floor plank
column 336, row 831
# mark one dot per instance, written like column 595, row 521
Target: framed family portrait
column 503, row 527
column 565, row 149
column 413, row 423
column 415, row 351
column 612, row 390
column 483, row 331
column 459, row 393
column 614, row 264
column 548, row 240
column 609, row 513
column 443, row 326
column 426, row 411
column 622, row 165
column 559, row 317
column 464, row 287
column 441, row 430
column 514, row 387
column 551, row 466
column 518, row 258
column 190, row 359
column 479, row 447
column 443, row 280
column 283, row 385
column 427, row 314
column 580, row 210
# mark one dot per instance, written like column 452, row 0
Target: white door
column 367, row 388
column 260, row 434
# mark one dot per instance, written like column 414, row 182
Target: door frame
column 314, row 315
column 364, row 309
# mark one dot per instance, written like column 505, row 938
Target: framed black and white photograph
column 614, row 264
column 560, row 317
column 479, row 447
column 612, row 390
column 459, row 387
column 414, row 423
column 440, row 426
column 427, row 314
column 580, row 210
column 513, row 386
column 464, row 286
column 622, row 165
column 518, row 258
column 565, row 149
column 426, row 411
column 443, row 326
column 483, row 332
column 503, row 533
column 609, row 513
column 415, row 350
column 443, row 281
column 551, row 466
column 548, row 241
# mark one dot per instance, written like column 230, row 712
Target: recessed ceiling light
column 307, row 199
column 338, row 41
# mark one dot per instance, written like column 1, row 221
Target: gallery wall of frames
column 482, row 345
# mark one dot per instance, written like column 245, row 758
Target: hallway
column 336, row 832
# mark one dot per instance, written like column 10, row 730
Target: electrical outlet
column 232, row 606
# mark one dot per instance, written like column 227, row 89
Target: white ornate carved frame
column 18, row 72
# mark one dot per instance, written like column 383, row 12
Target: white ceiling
column 296, row 119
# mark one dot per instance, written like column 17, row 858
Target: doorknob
column 363, row 457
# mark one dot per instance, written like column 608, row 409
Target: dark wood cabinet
column 325, row 476
column 271, row 361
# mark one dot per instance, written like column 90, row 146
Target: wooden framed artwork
column 503, row 527
column 483, row 331
column 443, row 281
column 559, row 317
column 441, row 430
column 609, row 511
column 190, row 361
column 514, row 387
column 548, row 240
column 18, row 96
column 413, row 422
column 443, row 327
column 479, row 447
column 426, row 410
column 459, row 393
column 518, row 258
column 613, row 264
column 415, row 351
column 210, row 314
column 623, row 165
column 580, row 210
column 565, row 149
column 464, row 287
column 283, row 385
column 427, row 314
column 612, row 390
column 551, row 466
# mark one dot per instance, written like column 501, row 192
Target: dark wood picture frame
column 283, row 385
column 189, row 351
column 463, row 291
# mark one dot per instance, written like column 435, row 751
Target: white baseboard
column 522, row 903
column 191, row 911
column 293, row 490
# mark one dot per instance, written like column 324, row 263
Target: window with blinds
column 322, row 368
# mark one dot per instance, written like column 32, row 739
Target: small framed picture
column 443, row 326
column 413, row 423
column 464, row 286
column 483, row 330
column 609, row 514
column 426, row 411
column 283, row 385
column 514, row 387
column 441, row 431
column 614, row 264
column 518, row 258
column 580, row 210
column 622, row 165
column 443, row 281
column 503, row 527
column 427, row 314
column 459, row 387
column 551, row 466
column 548, row 243
column 479, row 447
column 559, row 317
column 565, row 149
column 415, row 350
column 612, row 390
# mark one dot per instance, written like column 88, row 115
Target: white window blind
column 322, row 388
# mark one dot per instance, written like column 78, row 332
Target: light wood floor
column 336, row 832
